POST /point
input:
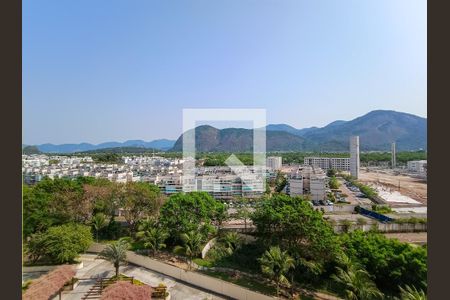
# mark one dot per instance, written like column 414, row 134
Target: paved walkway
column 94, row 268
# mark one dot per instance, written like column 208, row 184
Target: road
column 94, row 268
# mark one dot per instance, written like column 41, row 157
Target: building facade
column 307, row 180
column 326, row 163
column 417, row 166
column 274, row 162
column 354, row 156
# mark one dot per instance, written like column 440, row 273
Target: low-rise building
column 417, row 166
column 307, row 180
column 326, row 163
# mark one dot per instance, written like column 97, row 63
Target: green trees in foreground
column 231, row 242
column 61, row 201
column 60, row 244
column 116, row 253
column 153, row 236
column 393, row 264
column 192, row 245
column 276, row 264
column 98, row 222
column 354, row 281
column 289, row 223
column 182, row 213
column 411, row 293
column 357, row 284
column 294, row 225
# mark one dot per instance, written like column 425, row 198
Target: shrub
column 391, row 262
column 60, row 244
column 411, row 220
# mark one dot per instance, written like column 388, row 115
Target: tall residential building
column 354, row 156
column 274, row 162
column 393, row 156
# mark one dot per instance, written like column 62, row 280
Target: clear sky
column 104, row 70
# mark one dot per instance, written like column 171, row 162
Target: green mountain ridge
column 377, row 130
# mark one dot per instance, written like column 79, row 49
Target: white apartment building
column 417, row 166
column 295, row 185
column 274, row 162
column 317, row 186
column 307, row 180
column 326, row 163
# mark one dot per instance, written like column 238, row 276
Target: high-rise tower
column 354, row 156
column 393, row 156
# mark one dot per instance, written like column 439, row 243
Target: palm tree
column 99, row 222
column 153, row 238
column 276, row 264
column 232, row 241
column 411, row 293
column 192, row 245
column 116, row 253
column 244, row 213
column 357, row 283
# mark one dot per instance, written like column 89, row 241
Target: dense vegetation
column 391, row 263
column 293, row 246
column 218, row 159
column 59, row 244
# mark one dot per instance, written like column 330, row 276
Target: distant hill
column 130, row 150
column 290, row 129
column 210, row 139
column 30, row 150
column 377, row 130
column 161, row 144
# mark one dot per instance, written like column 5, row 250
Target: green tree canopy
column 60, row 244
column 184, row 212
column 294, row 225
column 139, row 200
column 275, row 264
column 392, row 263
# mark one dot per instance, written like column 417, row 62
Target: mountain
column 122, row 150
column 161, row 144
column 376, row 129
column 290, row 129
column 210, row 139
column 30, row 150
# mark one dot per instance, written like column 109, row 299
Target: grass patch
column 203, row 262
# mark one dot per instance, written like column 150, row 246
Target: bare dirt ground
column 409, row 237
column 409, row 186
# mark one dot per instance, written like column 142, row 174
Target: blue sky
column 103, row 70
